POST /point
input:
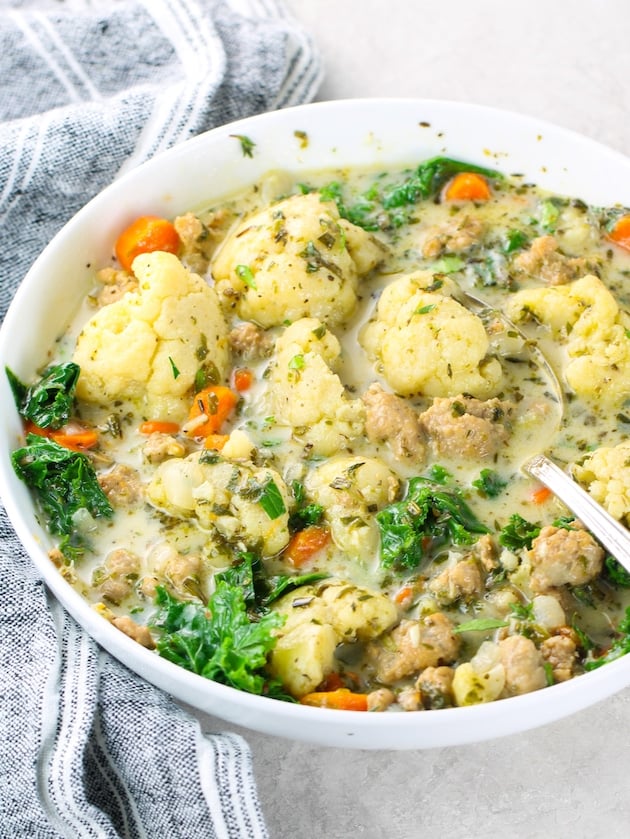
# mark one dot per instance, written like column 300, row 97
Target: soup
column 281, row 443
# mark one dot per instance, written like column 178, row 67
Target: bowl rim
column 452, row 726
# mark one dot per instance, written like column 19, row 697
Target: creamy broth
column 531, row 614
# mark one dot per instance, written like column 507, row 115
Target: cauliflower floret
column 131, row 349
column 481, row 679
column 606, row 475
column 585, row 316
column 426, row 342
column 351, row 489
column 229, row 497
column 318, row 617
column 294, row 259
column 307, row 394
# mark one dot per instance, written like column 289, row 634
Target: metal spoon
column 604, row 527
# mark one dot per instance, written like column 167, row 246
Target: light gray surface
column 567, row 62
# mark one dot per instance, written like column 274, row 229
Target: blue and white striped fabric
column 87, row 749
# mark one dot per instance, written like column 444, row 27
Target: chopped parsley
column 245, row 273
column 247, row 144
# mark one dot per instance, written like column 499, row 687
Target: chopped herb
column 315, row 260
column 548, row 215
column 48, row 402
column 424, row 310
column 489, row 483
column 448, row 264
column 247, row 144
column 480, row 625
column 320, row 331
column 296, row 363
column 518, row 533
column 271, row 500
column 302, row 136
column 173, row 367
column 515, row 240
column 244, row 273
column 65, row 482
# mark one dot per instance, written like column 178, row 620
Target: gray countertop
column 567, row 61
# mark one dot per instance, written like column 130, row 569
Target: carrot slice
column 467, row 186
column 539, row 496
column 77, row 441
column 403, row 596
column 215, row 403
column 215, row 441
column 158, row 427
column 145, row 235
column 305, row 544
column 620, row 234
column 243, row 379
column 72, row 436
column 341, row 699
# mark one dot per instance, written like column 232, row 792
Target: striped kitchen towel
column 88, row 89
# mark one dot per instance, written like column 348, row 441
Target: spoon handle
column 612, row 535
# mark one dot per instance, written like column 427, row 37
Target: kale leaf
column 518, row 533
column 259, row 589
column 49, row 402
column 65, row 482
column 489, row 483
column 429, row 515
column 219, row 642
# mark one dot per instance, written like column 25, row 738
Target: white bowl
column 380, row 133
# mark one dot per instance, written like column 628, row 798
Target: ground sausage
column 250, row 341
column 560, row 652
column 160, row 447
column 120, row 570
column 412, row 646
column 523, row 665
column 436, row 687
column 199, row 239
column 121, row 485
column 116, row 283
column 182, row 572
column 461, row 581
column 389, row 419
column 134, row 630
column 564, row 557
column 380, row 700
column 456, row 235
column 465, row 427
column 485, row 550
column 409, row 699
column 544, row 261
